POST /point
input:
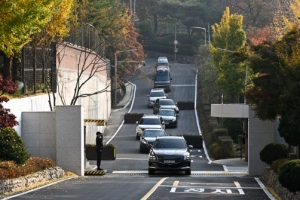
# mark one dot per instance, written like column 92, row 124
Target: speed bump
column 95, row 172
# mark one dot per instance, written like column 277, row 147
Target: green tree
column 229, row 36
column 275, row 91
column 19, row 19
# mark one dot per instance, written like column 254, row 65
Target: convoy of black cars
column 165, row 152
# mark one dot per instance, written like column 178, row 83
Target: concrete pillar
column 70, row 138
column 260, row 134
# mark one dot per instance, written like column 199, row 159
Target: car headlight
column 173, row 120
column 152, row 156
column 144, row 141
column 187, row 156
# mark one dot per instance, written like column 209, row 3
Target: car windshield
column 162, row 78
column 162, row 73
column 169, row 143
column 150, row 121
column 154, row 133
column 163, row 64
column 166, row 102
column 166, row 112
column 157, row 94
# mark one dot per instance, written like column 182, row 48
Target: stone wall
column 271, row 180
column 17, row 184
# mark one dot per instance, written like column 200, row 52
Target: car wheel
column 150, row 171
column 175, row 125
column 188, row 172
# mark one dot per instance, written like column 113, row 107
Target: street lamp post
column 175, row 41
column 116, row 67
column 204, row 31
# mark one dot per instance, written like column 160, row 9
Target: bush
column 277, row 164
column 12, row 146
column 9, row 169
column 289, row 175
column 220, row 132
column 272, row 152
column 218, row 151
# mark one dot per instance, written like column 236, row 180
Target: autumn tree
column 7, row 119
column 275, row 92
column 229, row 36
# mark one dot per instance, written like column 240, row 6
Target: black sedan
column 169, row 116
column 170, row 153
column 148, row 137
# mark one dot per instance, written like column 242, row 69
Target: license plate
column 169, row 161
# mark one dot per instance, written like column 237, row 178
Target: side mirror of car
column 171, row 79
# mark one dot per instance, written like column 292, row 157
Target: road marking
column 20, row 194
column 237, row 184
column 131, row 159
column 225, row 168
column 236, row 173
column 129, row 172
column 265, row 189
column 183, row 85
column 174, row 184
column 153, row 189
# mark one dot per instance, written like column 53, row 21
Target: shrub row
column 131, row 118
column 9, row 169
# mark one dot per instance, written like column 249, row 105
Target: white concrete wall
column 96, row 106
column 30, row 103
column 69, row 138
column 260, row 134
column 39, row 133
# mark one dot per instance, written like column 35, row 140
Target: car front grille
column 177, row 158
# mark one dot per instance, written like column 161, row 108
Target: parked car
column 154, row 94
column 170, row 153
column 163, row 79
column 165, row 103
column 169, row 116
column 149, row 121
column 162, row 61
column 148, row 137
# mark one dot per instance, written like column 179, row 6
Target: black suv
column 165, row 103
column 170, row 153
column 163, row 79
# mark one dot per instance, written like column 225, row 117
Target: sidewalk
column 117, row 116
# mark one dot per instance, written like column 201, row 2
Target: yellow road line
column 153, row 189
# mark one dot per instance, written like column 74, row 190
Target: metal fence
column 38, row 65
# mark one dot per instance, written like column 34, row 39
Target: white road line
column 153, row 189
column 237, row 184
column 175, row 184
column 129, row 172
column 193, row 172
column 225, row 168
column 265, row 189
column 13, row 196
column 131, row 159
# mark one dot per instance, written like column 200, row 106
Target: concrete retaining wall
column 57, row 135
column 17, row 184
